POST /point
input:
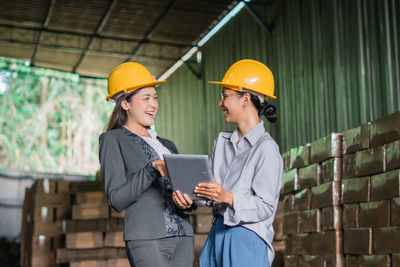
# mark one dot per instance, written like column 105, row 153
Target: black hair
column 268, row 110
column 119, row 117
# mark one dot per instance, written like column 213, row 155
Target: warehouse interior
column 337, row 80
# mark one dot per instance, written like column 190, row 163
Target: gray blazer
column 131, row 183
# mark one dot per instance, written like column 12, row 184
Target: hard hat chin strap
column 259, row 96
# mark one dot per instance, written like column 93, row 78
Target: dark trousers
column 164, row 252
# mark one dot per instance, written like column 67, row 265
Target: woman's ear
column 124, row 104
column 246, row 99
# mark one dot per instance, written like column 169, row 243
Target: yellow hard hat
column 129, row 77
column 251, row 75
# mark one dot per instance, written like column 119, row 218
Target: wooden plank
column 86, row 186
column 84, row 240
column 94, row 197
column 97, row 225
column 90, row 211
column 114, row 239
column 123, row 262
column 89, row 263
column 48, row 214
column 52, row 200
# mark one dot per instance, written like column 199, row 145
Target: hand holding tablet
column 187, row 171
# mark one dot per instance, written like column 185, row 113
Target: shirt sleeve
column 122, row 190
column 260, row 203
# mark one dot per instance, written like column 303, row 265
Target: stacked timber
column 46, row 203
column 94, row 234
column 371, row 197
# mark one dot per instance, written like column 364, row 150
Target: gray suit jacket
column 131, row 183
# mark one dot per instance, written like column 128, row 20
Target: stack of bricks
column 94, row 235
column 341, row 198
column 311, row 204
column 279, row 242
column 371, row 197
column 46, row 203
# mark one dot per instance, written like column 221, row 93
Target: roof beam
column 75, row 49
column 192, row 70
column 151, row 30
column 258, row 18
column 44, row 26
column 160, row 43
column 99, row 28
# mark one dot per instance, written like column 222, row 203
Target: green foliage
column 50, row 120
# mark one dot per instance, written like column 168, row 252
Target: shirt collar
column 152, row 133
column 255, row 133
column 252, row 136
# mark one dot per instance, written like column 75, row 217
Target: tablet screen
column 186, row 171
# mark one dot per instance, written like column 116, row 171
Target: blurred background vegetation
column 50, row 120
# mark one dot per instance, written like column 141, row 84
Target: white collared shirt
column 155, row 143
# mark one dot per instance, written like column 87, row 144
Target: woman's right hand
column 182, row 201
column 159, row 165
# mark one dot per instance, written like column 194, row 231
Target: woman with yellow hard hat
column 156, row 231
column 247, row 167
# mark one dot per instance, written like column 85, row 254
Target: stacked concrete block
column 311, row 204
column 371, row 194
column 94, row 233
column 46, row 203
column 341, row 205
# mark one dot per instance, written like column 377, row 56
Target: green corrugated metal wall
column 181, row 112
column 336, row 66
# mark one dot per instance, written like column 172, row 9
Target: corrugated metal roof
column 92, row 37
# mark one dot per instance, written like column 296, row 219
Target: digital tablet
column 186, row 171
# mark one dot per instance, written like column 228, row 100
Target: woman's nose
column 154, row 102
column 220, row 103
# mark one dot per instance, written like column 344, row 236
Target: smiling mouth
column 150, row 113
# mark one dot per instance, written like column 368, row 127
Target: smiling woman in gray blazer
column 156, row 231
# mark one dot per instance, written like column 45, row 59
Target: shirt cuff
column 232, row 216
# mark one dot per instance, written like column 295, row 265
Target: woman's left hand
column 215, row 192
column 182, row 201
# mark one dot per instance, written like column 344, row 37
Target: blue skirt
column 233, row 246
